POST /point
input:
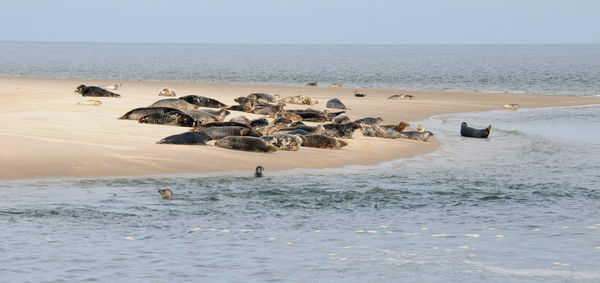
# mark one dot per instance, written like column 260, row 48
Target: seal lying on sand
column 298, row 132
column 315, row 83
column 318, row 129
column 336, row 104
column 112, row 86
column 201, row 127
column 175, row 118
column 358, row 94
column 138, row 113
column 259, row 122
column 299, row 99
column 217, row 133
column 240, row 119
column 259, row 171
column 167, row 91
column 246, row 144
column 336, row 85
column 263, row 97
column 341, row 130
column 174, row 103
column 90, row 102
column 221, row 113
column 288, row 115
column 467, row 131
column 166, row 193
column 332, row 115
column 312, row 117
column 186, row 138
column 512, row 106
column 341, row 119
column 418, row 136
column 283, row 141
column 94, row 91
column 282, row 120
column 202, row 101
column 269, row 110
column 322, row 141
column 269, row 129
column 380, row 132
column 369, row 121
column 202, row 117
column 399, row 128
column 402, row 96
column 248, row 104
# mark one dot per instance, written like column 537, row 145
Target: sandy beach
column 45, row 134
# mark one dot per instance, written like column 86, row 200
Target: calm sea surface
column 523, row 205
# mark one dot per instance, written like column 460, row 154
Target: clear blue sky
column 304, row 22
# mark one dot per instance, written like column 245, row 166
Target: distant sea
column 549, row 69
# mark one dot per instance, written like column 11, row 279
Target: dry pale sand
column 45, row 134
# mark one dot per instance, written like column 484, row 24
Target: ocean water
column 520, row 206
column 550, row 69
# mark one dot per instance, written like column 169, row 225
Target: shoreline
column 48, row 136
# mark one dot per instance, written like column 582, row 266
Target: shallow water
column 520, row 206
column 550, row 69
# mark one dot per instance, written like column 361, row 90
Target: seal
column 240, row 119
column 247, row 104
column 167, row 91
column 312, row 117
column 174, row 103
column 175, row 118
column 336, row 104
column 201, row 127
column 203, row 101
column 341, row 119
column 202, row 117
column 418, row 136
column 341, row 130
column 259, row 122
column 217, row 133
column 298, row 132
column 166, row 193
column 315, row 83
column 269, row 129
column 322, row 141
column 380, row 132
column 402, row 96
column 282, row 121
column 221, row 113
column 318, row 129
column 299, row 99
column 262, row 97
column 369, row 121
column 138, row 113
column 90, row 102
column 112, row 86
column 269, row 109
column 95, row 91
column 288, row 115
column 331, row 115
column 336, row 85
column 186, row 138
column 284, row 141
column 511, row 106
column 420, row 128
column 357, row 94
column 253, row 144
column 259, row 171
column 399, row 128
column 467, row 131
column 236, row 108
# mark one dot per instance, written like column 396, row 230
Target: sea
column 520, row 206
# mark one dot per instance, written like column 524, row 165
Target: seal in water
column 167, row 91
column 341, row 130
column 399, row 128
column 402, row 96
column 202, row 101
column 467, row 131
column 315, row 83
column 166, row 193
column 262, row 97
column 175, row 118
column 511, row 106
column 94, row 91
column 186, row 138
column 322, row 141
column 246, row 144
column 336, row 104
column 258, row 172
column 336, row 85
column 217, row 133
column 138, row 113
column 284, row 141
column 112, row 86
column 174, row 103
column 299, row 99
column 357, row 94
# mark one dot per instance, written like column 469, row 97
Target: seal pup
column 203, row 101
column 112, row 86
column 174, row 103
column 315, row 83
column 402, row 96
column 357, row 94
column 95, row 91
column 90, row 102
column 138, row 113
column 259, row 171
column 244, row 143
column 322, row 141
column 299, row 99
column 341, row 130
column 399, row 128
column 336, row 104
column 167, row 91
column 262, row 97
column 336, row 85
column 341, row 119
column 240, row 119
column 175, row 118
column 467, row 131
column 166, row 193
column 284, row 141
column 186, row 138
column 369, row 121
column 511, row 106
column 217, row 133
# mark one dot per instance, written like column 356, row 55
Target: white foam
column 577, row 275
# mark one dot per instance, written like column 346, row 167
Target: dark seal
column 186, row 138
column 258, row 172
column 203, row 101
column 336, row 104
column 244, row 143
column 95, row 91
column 467, row 131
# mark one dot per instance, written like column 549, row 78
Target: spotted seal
column 138, row 113
column 244, row 143
column 299, row 99
column 167, row 91
column 186, row 138
column 336, row 104
column 284, row 141
column 369, row 121
column 217, row 133
column 166, row 193
column 467, row 131
column 341, row 119
column 322, row 141
column 399, row 128
column 95, row 91
column 174, row 103
column 263, row 97
column 203, row 101
column 175, row 118
column 341, row 130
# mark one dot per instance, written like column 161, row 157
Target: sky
column 303, row 22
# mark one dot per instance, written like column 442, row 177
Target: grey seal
column 369, row 121
column 312, row 117
column 240, row 119
column 332, row 115
column 282, row 120
column 203, row 101
column 175, row 118
column 269, row 109
column 380, row 132
column 217, row 133
column 418, row 136
column 298, row 132
column 467, row 131
column 166, row 193
column 259, row 122
column 112, row 86
column 174, row 103
column 95, row 91
column 399, row 128
column 288, row 115
column 167, row 91
column 284, row 141
column 318, row 129
column 336, row 85
column 244, row 143
column 259, row 171
column 511, row 106
column 358, row 94
column 186, row 138
column 402, row 96
column 138, row 113
column 341, row 130
column 299, row 99
column 322, row 141
column 263, row 97
column 341, row 119
column 315, row 83
column 336, row 104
